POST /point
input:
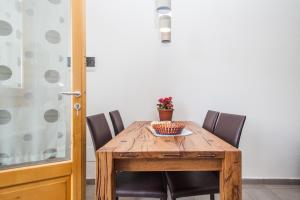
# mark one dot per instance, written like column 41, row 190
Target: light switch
column 90, row 62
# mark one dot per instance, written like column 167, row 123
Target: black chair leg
column 117, row 198
column 212, row 196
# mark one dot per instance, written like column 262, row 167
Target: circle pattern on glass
column 29, row 54
column 51, row 115
column 3, row 158
column 5, row 117
column 60, row 58
column 29, row 12
column 52, row 76
column 54, row 1
column 52, row 36
column 5, row 73
column 28, row 96
column 5, row 28
column 61, row 20
column 3, row 155
column 50, row 153
column 59, row 135
column 27, row 137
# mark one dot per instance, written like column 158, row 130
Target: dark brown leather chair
column 182, row 184
column 99, row 130
column 128, row 184
column 117, row 121
column 229, row 128
column 210, row 120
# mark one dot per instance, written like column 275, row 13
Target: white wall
column 237, row 56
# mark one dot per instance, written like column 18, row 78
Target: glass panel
column 35, row 41
column 10, row 45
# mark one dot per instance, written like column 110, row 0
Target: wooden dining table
column 137, row 149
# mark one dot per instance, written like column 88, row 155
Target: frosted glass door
column 35, row 38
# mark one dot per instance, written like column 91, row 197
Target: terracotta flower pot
column 165, row 114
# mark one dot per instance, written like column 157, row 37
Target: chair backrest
column 99, row 129
column 229, row 128
column 117, row 121
column 210, row 120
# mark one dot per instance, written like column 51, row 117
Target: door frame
column 79, row 84
column 73, row 170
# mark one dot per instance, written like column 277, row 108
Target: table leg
column 105, row 176
column 231, row 177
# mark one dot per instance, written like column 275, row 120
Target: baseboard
column 271, row 181
column 246, row 181
column 90, row 181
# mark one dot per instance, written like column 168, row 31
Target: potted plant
column 165, row 108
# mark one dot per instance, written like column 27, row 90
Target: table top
column 137, row 141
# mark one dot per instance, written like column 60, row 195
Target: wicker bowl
column 168, row 128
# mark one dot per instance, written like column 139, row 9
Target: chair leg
column 212, row 196
column 117, row 198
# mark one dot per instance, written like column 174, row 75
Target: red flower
column 165, row 103
column 167, row 99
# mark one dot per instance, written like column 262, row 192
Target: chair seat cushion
column 192, row 183
column 141, row 184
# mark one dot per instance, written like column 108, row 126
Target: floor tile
column 90, row 192
column 260, row 192
column 286, row 192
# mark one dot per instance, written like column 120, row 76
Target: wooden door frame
column 79, row 84
column 74, row 169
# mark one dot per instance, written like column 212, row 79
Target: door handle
column 75, row 93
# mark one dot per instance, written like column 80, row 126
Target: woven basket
column 168, row 128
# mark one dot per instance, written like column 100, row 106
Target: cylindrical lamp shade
column 163, row 6
column 165, row 23
column 166, row 37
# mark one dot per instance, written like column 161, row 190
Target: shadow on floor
column 250, row 192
